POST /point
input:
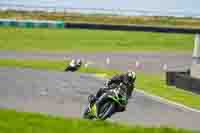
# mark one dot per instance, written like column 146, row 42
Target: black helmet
column 131, row 75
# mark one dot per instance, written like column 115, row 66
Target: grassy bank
column 59, row 40
column 35, row 64
column 100, row 18
column 22, row 122
column 154, row 84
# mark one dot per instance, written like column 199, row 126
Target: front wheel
column 86, row 114
column 106, row 109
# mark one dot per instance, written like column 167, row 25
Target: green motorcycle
column 107, row 104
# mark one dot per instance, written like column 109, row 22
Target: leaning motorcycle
column 107, row 104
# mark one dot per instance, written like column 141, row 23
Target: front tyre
column 86, row 114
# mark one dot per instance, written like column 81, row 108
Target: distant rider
column 127, row 79
column 74, row 65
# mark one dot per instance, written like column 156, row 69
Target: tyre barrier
column 132, row 27
column 62, row 24
column 31, row 23
column 183, row 80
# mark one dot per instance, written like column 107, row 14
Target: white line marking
column 163, row 100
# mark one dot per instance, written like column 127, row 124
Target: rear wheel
column 106, row 109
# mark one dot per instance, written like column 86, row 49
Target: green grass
column 60, row 40
column 102, row 18
column 35, row 64
column 154, row 84
column 24, row 122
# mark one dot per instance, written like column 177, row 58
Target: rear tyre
column 106, row 110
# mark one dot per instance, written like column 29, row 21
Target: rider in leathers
column 127, row 79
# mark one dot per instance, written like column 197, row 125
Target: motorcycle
column 107, row 104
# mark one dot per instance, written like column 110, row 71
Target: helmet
column 79, row 62
column 131, row 75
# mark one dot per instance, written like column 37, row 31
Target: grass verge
column 34, row 64
column 60, row 40
column 153, row 84
column 23, row 122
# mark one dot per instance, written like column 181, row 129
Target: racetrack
column 61, row 93
column 151, row 62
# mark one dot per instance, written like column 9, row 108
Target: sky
column 153, row 5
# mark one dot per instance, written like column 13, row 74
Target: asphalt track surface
column 151, row 62
column 65, row 94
